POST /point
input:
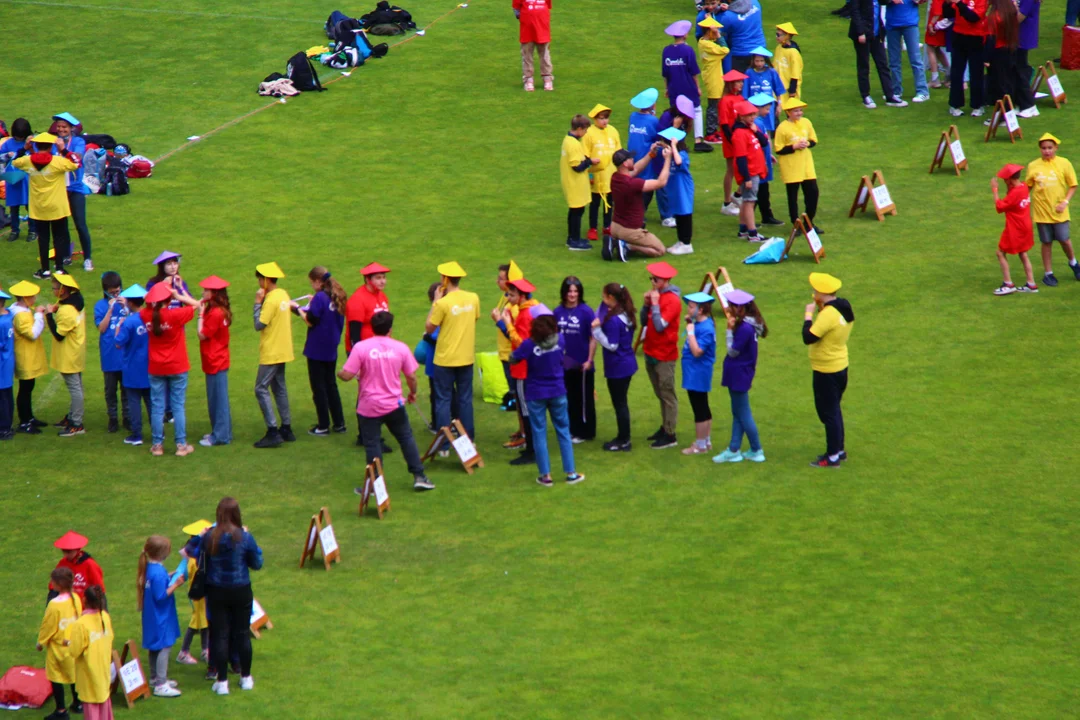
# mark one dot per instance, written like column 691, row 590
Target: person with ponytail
column 91, row 648
column 168, row 365
column 160, row 625
column 325, row 319
column 215, row 319
column 744, row 326
column 60, row 614
column 613, row 329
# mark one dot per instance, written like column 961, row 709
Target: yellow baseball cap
column 66, row 280
column 45, row 138
column 788, row 28
column 598, row 109
column 270, row 270
column 709, row 22
column 196, row 527
column 23, row 289
column 1048, row 136
column 791, row 103
column 824, row 283
column 452, row 269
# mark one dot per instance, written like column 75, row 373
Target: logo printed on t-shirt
column 377, row 354
column 671, row 62
column 458, row 309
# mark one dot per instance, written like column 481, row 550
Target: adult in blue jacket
column 902, row 25
column 742, row 32
column 76, row 188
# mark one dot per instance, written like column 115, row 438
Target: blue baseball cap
column 645, row 99
column 699, row 297
column 672, row 133
column 761, row 99
column 134, row 292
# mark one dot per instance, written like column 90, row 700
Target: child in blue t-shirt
column 709, row 8
column 160, row 626
column 18, row 188
column 641, row 134
column 680, row 194
column 109, row 314
column 698, row 361
column 762, row 78
column 134, row 346
column 7, row 369
column 764, row 104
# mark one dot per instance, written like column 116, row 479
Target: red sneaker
column 592, row 235
column 607, row 231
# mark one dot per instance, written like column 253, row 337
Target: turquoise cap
column 761, row 99
column 761, row 50
column 699, row 297
column 645, row 99
column 672, row 133
column 134, row 292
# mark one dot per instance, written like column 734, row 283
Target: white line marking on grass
column 155, row 11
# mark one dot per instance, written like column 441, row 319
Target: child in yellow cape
column 60, row 614
column 600, row 142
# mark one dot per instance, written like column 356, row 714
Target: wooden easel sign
column 259, row 619
column 462, row 444
column 375, row 484
column 1056, row 92
column 1004, row 114
column 950, row 142
column 129, row 674
column 321, row 533
column 805, row 227
column 718, row 289
column 872, row 188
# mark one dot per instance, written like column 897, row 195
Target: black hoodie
column 842, row 306
column 75, row 299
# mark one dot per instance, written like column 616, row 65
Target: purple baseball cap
column 738, row 297
column 167, row 255
column 679, row 28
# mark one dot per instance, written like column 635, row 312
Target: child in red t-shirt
column 84, row 569
column 733, row 84
column 750, row 167
column 534, row 17
column 215, row 317
column 1016, row 238
column 935, row 39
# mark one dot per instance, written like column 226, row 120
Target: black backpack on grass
column 387, row 14
column 303, row 74
column 114, row 178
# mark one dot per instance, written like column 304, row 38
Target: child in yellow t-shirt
column 712, row 72
column 273, row 320
column 794, row 139
column 1053, row 183
column 788, row 59
column 54, row 634
column 573, row 165
column 90, row 648
column 67, row 323
column 198, row 622
column 600, row 142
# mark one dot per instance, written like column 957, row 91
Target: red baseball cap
column 1009, row 170
column 71, row 540
column 213, row 283
column 661, row 270
column 373, row 268
column 159, row 292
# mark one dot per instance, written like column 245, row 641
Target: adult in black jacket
column 867, row 31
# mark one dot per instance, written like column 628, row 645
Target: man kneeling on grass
column 628, row 233
column 377, row 364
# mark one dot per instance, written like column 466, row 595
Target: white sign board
column 1055, row 86
column 814, row 240
column 881, row 197
column 465, row 448
column 257, row 612
column 329, row 542
column 380, row 490
column 132, row 677
column 940, row 151
column 862, row 195
column 724, row 290
column 311, row 539
column 1011, row 123
column 957, row 151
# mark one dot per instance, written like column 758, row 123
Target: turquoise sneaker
column 755, row 455
column 728, row 456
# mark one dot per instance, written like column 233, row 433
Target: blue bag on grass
column 771, row 251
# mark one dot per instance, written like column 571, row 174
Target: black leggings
column 810, row 195
column 699, row 403
column 619, row 388
column 684, row 228
column 231, row 609
column 581, row 402
column 828, row 391
column 967, row 52
column 594, row 211
column 58, row 695
column 573, row 222
column 46, row 230
column 204, row 639
column 764, row 201
column 24, row 401
column 324, row 393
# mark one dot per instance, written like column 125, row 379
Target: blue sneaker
column 728, row 456
column 624, row 251
column 755, row 455
column 578, row 245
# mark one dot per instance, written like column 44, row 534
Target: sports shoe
column 184, row 450
column 623, row 251
column 549, row 83
column 421, row 483
column 987, row 122
column 1076, row 270
column 823, row 461
column 955, row 112
column 730, row 208
column 743, row 235
column 935, row 84
column 728, row 456
column 715, row 139
column 606, row 249
column 318, row 431
column 184, row 658
column 340, row 429
column 133, row 440
column 681, row 248
column 897, row 102
column 7, row 434
column 529, row 87
column 696, row 449
column 920, row 98
column 754, row 455
column 616, row 446
column 271, row 439
column 72, row 431
column 842, row 455
column 220, row 687
column 169, row 417
column 515, row 442
column 703, row 147
column 545, row 480
column 658, row 434
column 247, row 683
column 1032, row 288
column 756, row 238
column 76, row 707
column 157, row 450
column 289, row 436
column 574, row 478
column 13, row 236
column 1005, row 289
column 444, row 453
column 578, row 245
column 31, row 237
column 66, row 262
column 29, row 429
column 772, row 221
column 63, row 423
column 43, row 274
column 868, row 103
column 1029, row 113
column 114, row 425
column 818, row 230
column 88, row 265
column 668, row 222
column 575, row 440
column 206, row 441
column 592, row 235
column 977, row 112
column 166, row 691
column 663, row 442
column 1049, row 280
column 38, row 423
column 526, row 458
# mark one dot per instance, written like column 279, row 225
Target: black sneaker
column 75, row 707
column 72, row 431
column 574, row 478
column 7, row 434
column 617, row 446
column 421, row 483
column 658, row 434
column 526, row 458
column 605, row 248
column 135, row 440
column 316, row 430
column 287, row 434
column 31, row 237
column 1076, row 270
column 211, row 674
column 62, row 423
column 271, row 439
column 818, row 230
column 842, row 455
column 38, row 423
column 13, row 236
column 703, row 147
column 545, row 481
column 386, row 449
column 67, row 261
column 29, row 429
column 664, row 441
column 578, row 245
column 824, row 462
column 1049, row 280
column 114, row 425
column 772, row 221
column 341, row 429
column 43, row 274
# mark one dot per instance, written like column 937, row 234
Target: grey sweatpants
column 271, row 378
column 159, row 666
column 75, row 390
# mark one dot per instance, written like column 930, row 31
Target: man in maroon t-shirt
column 628, row 216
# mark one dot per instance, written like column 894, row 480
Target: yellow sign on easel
column 950, row 142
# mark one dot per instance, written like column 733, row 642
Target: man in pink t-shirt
column 377, row 363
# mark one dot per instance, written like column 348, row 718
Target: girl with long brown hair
column 160, row 626
column 1003, row 26
column 325, row 318
column 744, row 326
column 613, row 329
column 215, row 319
column 91, row 649
column 60, row 613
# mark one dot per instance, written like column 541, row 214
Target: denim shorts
column 751, row 194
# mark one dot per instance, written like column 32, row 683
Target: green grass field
column 934, row 575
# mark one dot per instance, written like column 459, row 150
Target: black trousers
column 684, row 229
column 619, row 388
column 873, row 47
column 24, row 401
column 810, row 195
column 828, row 391
column 231, row 609
column 581, row 402
column 49, row 230
column 58, row 695
column 324, row 393
column 397, row 422
column 115, row 379
column 7, row 409
column 967, row 52
column 1006, row 77
column 699, row 403
column 764, row 200
column 594, row 211
column 77, row 203
column 573, row 222
column 1022, row 96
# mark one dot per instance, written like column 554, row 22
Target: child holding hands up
column 160, row 626
column 1016, row 238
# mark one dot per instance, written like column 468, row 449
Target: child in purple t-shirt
column 325, row 318
column 679, row 66
column 575, row 323
column 613, row 329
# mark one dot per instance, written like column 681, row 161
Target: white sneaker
column 668, row 222
column 1029, row 113
column 731, row 208
column 977, row 112
column 680, row 248
column 88, row 265
column 955, row 112
column 220, row 687
column 247, row 683
column 166, row 691
column 920, row 98
column 868, row 103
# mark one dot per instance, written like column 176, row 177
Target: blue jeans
column 136, row 397
column 217, row 403
column 910, row 37
column 742, row 422
column 175, row 388
column 445, row 381
column 560, row 418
